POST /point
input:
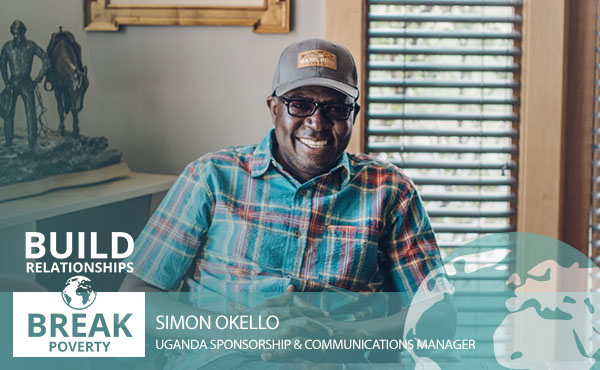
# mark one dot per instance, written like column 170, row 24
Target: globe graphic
column 541, row 314
column 79, row 293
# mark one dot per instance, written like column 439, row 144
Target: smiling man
column 295, row 212
column 297, row 209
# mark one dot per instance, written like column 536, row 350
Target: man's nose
column 318, row 121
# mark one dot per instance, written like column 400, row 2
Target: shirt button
column 303, row 192
column 297, row 234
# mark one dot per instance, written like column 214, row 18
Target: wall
column 166, row 95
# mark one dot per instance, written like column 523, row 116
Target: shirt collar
column 345, row 164
column 263, row 155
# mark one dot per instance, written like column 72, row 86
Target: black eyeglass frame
column 316, row 105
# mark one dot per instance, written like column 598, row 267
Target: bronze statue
column 67, row 77
column 18, row 55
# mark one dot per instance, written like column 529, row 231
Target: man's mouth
column 314, row 144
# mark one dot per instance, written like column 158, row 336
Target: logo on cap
column 317, row 58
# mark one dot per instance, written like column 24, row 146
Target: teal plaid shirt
column 236, row 221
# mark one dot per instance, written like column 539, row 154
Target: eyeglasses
column 306, row 108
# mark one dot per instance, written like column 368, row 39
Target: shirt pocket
column 346, row 256
column 247, row 241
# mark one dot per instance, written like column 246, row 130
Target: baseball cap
column 316, row 62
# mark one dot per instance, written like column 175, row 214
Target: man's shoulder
column 379, row 171
column 8, row 45
column 30, row 44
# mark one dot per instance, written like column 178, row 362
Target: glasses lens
column 300, row 108
column 338, row 111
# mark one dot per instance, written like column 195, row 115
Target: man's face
column 310, row 146
column 18, row 35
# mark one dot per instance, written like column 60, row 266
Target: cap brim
column 342, row 87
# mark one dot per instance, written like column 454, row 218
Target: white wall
column 166, row 95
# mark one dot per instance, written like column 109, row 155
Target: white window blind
column 443, row 105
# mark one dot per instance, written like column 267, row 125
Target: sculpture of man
column 18, row 55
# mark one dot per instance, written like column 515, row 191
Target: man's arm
column 4, row 64
column 45, row 62
column 167, row 247
column 413, row 260
column 416, row 265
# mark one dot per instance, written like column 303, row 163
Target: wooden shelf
column 60, row 202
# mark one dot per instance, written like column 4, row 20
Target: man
column 18, row 55
column 296, row 212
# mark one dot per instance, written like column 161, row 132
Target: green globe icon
column 79, row 293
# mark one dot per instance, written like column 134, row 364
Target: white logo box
column 106, row 303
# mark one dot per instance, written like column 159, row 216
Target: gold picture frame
column 272, row 17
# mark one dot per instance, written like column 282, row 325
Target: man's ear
column 272, row 104
column 356, row 110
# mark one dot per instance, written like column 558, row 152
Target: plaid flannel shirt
column 236, row 221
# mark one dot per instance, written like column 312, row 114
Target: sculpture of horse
column 67, row 77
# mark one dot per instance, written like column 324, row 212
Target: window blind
column 442, row 103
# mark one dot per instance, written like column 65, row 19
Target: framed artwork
column 265, row 16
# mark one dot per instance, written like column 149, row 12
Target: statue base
column 56, row 161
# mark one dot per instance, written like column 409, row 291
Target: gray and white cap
column 316, row 62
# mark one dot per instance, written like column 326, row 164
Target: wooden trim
column 543, row 116
column 557, row 120
column 579, row 124
column 273, row 17
column 517, row 76
column 345, row 24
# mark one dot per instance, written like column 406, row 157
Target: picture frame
column 272, row 16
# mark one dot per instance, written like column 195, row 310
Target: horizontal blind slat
column 429, row 34
column 439, row 212
column 384, row 82
column 398, row 131
column 465, row 181
column 442, row 116
column 455, row 165
column 393, row 50
column 513, row 3
column 472, row 229
column 486, row 247
column 403, row 99
column 411, row 148
column 429, row 67
column 468, row 197
column 382, row 17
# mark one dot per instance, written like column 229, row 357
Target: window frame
column 556, row 110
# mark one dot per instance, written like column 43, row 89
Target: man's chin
column 317, row 169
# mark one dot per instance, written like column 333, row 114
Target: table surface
column 63, row 201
